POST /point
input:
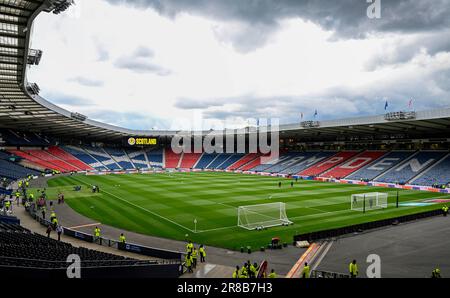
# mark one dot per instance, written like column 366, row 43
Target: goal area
column 369, row 201
column 261, row 216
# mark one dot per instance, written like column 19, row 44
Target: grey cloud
column 87, row 82
column 405, row 50
column 140, row 61
column 347, row 18
column 428, row 91
column 129, row 120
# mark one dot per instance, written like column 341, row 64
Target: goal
column 369, row 201
column 261, row 216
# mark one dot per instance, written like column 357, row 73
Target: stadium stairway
column 44, row 155
column 219, row 160
column 37, row 160
column 329, row 163
column 85, row 157
column 412, row 167
column 68, row 158
column 189, row 160
column 120, row 158
column 254, row 163
column 304, row 161
column 381, row 165
column 353, row 164
column 155, row 158
column 438, row 173
column 138, row 158
column 205, row 160
column 230, row 161
column 104, row 158
column 171, row 159
column 243, row 161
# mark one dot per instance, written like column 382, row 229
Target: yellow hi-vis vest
column 353, row 268
column 122, row 238
column 194, row 254
column 306, row 271
column 202, row 251
column 97, row 232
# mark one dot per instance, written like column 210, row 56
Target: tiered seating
column 304, row 161
column 407, row 170
column 84, row 157
column 103, row 157
column 137, row 158
column 172, row 159
column 230, row 161
column 205, row 160
column 24, row 139
column 155, row 158
column 189, row 160
column 14, row 171
column 20, row 247
column 38, row 161
column 329, row 163
column 274, row 167
column 244, row 160
column 354, row 164
column 438, row 174
column 254, row 163
column 44, row 155
column 68, row 158
column 120, row 157
column 376, row 168
column 219, row 160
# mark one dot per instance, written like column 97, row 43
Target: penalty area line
column 146, row 210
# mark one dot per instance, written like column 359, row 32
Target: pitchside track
column 166, row 205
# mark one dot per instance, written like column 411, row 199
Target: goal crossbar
column 251, row 217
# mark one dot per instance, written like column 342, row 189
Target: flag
column 315, row 114
column 301, row 116
column 410, row 103
column 386, row 105
column 257, row 122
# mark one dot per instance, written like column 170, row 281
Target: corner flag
column 386, row 105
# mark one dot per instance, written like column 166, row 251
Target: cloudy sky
column 165, row 64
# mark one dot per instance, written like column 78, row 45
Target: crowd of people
column 192, row 254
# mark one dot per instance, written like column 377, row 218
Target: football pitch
column 166, row 205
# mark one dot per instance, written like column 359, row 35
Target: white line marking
column 142, row 208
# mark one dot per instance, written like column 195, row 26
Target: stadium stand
column 30, row 253
column 205, row 160
column 138, row 158
column 304, row 161
column 437, row 174
column 220, row 159
column 189, row 160
column 85, row 157
column 47, row 157
column 354, row 164
column 328, row 164
column 410, row 168
column 155, row 158
column 172, row 159
column 44, row 164
column 68, row 158
column 102, row 157
column 120, row 157
column 381, row 165
column 12, row 170
column 254, row 163
column 244, row 160
column 230, row 161
column 285, row 160
column 25, row 139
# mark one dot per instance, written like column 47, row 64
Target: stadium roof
column 21, row 107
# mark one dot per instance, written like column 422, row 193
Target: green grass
column 166, row 205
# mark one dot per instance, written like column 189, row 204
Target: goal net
column 369, row 201
column 262, row 216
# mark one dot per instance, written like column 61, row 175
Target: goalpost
column 262, row 216
column 369, row 201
